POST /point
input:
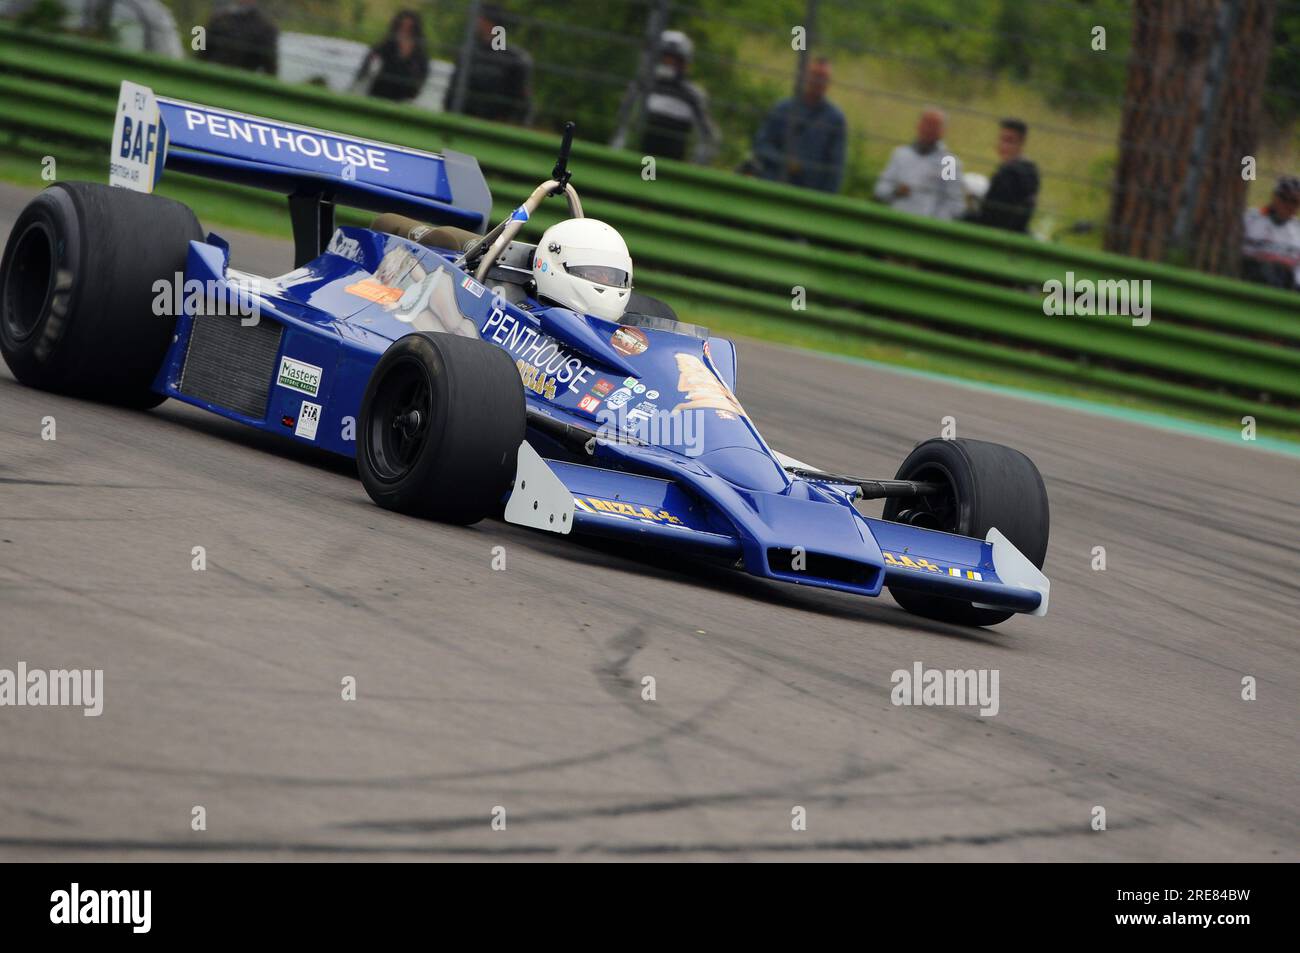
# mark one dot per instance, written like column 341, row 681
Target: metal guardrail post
column 465, row 62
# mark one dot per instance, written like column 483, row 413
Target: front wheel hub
column 409, row 423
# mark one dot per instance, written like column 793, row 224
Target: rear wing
column 314, row 168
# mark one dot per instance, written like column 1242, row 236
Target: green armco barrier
column 723, row 240
column 752, row 303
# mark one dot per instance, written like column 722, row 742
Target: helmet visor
column 601, row 275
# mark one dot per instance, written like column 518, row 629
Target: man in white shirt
column 1271, row 243
column 923, row 177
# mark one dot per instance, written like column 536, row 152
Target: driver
column 583, row 264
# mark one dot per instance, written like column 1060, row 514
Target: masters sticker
column 308, row 421
column 299, row 376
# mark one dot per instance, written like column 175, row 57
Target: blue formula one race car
column 404, row 345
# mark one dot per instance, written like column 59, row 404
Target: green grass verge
column 249, row 210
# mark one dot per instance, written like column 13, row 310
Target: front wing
column 719, row 522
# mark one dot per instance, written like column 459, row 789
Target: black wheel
column 440, row 428
column 988, row 485
column 77, row 290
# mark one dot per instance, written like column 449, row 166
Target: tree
column 1192, row 107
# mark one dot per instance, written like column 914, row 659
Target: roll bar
column 504, row 233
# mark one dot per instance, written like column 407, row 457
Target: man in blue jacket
column 802, row 140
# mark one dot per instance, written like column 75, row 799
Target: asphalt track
column 522, row 689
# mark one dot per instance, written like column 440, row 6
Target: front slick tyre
column 440, row 428
column 988, row 485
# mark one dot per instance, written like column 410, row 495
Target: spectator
column 398, row 65
column 244, row 37
column 499, row 77
column 802, row 140
column 918, row 180
column 1009, row 202
column 1271, row 245
column 673, row 108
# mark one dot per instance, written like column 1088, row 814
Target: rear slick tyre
column 77, row 290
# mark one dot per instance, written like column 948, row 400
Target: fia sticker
column 308, row 421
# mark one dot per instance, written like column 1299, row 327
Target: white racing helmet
column 583, row 264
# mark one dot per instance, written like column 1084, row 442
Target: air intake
column 231, row 365
column 813, row 567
